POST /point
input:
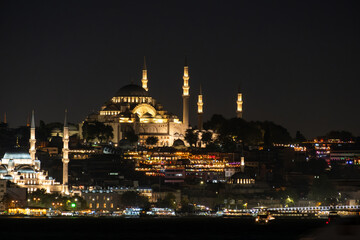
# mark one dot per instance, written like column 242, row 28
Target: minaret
column 200, row 110
column 239, row 103
column 144, row 79
column 242, row 164
column 65, row 159
column 186, row 95
column 32, row 140
column 28, row 121
column 5, row 120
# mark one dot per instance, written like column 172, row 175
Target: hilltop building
column 133, row 109
column 23, row 168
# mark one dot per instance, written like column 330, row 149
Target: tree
column 40, row 198
column 169, row 201
column 152, row 140
column 206, row 137
column 131, row 136
column 299, row 137
column 88, row 132
column 191, row 137
column 322, row 189
column 43, row 132
column 186, row 206
column 274, row 133
column 317, row 166
column 98, row 130
column 108, row 133
column 216, row 122
column 342, row 135
column 133, row 199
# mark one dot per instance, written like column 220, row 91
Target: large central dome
column 132, row 90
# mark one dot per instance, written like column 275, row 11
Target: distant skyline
column 297, row 61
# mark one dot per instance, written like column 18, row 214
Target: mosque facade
column 133, row 109
column 24, row 169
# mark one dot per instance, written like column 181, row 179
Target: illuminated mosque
column 133, row 109
column 23, row 168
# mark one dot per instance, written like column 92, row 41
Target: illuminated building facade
column 200, row 110
column 178, row 166
column 133, row 109
column 102, row 200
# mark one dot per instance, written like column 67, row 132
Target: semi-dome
column 178, row 143
column 3, row 169
column 132, row 90
column 25, row 169
column 8, row 177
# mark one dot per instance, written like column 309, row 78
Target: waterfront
column 155, row 228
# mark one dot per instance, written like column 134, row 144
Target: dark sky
column 298, row 61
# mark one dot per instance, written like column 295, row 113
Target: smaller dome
column 178, row 143
column 8, row 177
column 147, row 115
column 111, row 107
column 26, row 169
column 17, row 154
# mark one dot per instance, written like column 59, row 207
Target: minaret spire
column 65, row 119
column 28, row 120
column 239, row 103
column 32, row 140
column 186, row 95
column 65, row 159
column 144, row 79
column 242, row 163
column 200, row 110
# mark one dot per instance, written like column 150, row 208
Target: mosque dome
column 17, row 154
column 26, row 169
column 147, row 115
column 132, row 90
column 178, row 143
column 8, row 177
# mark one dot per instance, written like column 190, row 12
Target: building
column 133, row 109
column 106, row 200
column 18, row 167
column 23, row 168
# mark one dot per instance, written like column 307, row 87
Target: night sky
column 298, row 62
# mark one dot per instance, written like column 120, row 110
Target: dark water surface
column 153, row 228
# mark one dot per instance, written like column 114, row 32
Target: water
column 154, row 228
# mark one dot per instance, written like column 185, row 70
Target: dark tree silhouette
column 131, row 136
column 191, row 137
column 152, row 140
column 206, row 137
column 133, row 199
column 299, row 137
